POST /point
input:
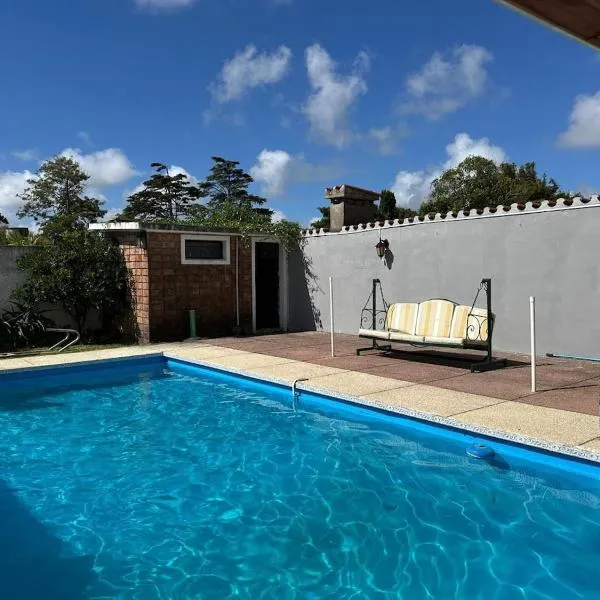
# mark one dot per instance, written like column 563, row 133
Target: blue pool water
column 152, row 481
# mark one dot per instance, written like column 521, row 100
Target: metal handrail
column 295, row 391
column 58, row 346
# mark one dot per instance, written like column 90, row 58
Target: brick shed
column 226, row 280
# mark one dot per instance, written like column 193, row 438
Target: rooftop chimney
column 350, row 206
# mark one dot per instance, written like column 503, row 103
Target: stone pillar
column 350, row 206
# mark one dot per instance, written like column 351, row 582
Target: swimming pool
column 154, row 479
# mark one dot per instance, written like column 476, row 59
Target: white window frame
column 226, row 260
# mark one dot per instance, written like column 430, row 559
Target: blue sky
column 304, row 93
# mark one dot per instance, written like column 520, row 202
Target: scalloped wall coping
column 560, row 205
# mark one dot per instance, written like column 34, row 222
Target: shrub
column 21, row 326
column 82, row 272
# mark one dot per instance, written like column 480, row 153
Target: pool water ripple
column 190, row 487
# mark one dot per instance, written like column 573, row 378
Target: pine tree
column 55, row 197
column 164, row 197
column 227, row 184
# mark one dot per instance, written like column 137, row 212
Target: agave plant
column 21, row 326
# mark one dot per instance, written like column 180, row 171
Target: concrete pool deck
column 562, row 415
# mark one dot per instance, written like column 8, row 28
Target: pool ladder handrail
column 68, row 332
column 295, row 392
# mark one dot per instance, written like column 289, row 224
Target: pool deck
column 562, row 415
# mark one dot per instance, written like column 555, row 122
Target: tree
column 3, row 219
column 55, row 197
column 388, row 210
column 478, row 182
column 403, row 212
column 164, row 196
column 323, row 222
column 231, row 207
column 80, row 270
column 227, row 183
column 387, row 206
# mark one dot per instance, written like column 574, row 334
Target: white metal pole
column 332, row 322
column 532, row 325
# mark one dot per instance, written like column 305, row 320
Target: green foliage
column 164, row 196
column 404, row 212
column 478, row 182
column 389, row 211
column 8, row 238
column 3, row 219
column 387, row 206
column 21, row 326
column 323, row 222
column 81, row 271
column 228, row 184
column 230, row 207
column 246, row 220
column 55, row 198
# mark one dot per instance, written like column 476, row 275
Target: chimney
column 350, row 206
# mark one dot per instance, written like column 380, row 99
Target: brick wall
column 137, row 262
column 176, row 288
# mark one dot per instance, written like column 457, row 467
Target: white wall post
column 532, row 326
column 331, row 320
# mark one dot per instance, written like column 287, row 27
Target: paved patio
column 562, row 414
column 563, row 384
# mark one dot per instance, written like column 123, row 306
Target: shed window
column 209, row 250
column 204, row 250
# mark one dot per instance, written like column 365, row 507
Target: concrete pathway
column 561, row 430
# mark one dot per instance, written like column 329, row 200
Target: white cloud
column 584, row 123
column 412, row 187
column 111, row 213
column 278, row 216
column 247, row 70
column 385, row 138
column 105, row 167
column 464, row 146
column 85, row 137
column 276, row 170
column 26, row 155
column 333, row 96
column 446, row 84
column 175, row 170
column 11, row 184
column 164, row 4
column 362, row 62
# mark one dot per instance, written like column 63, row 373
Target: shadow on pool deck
column 31, row 563
column 565, row 384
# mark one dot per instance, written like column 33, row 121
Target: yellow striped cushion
column 459, row 322
column 435, row 318
column 402, row 317
column 469, row 324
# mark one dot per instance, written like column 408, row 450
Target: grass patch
column 90, row 347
